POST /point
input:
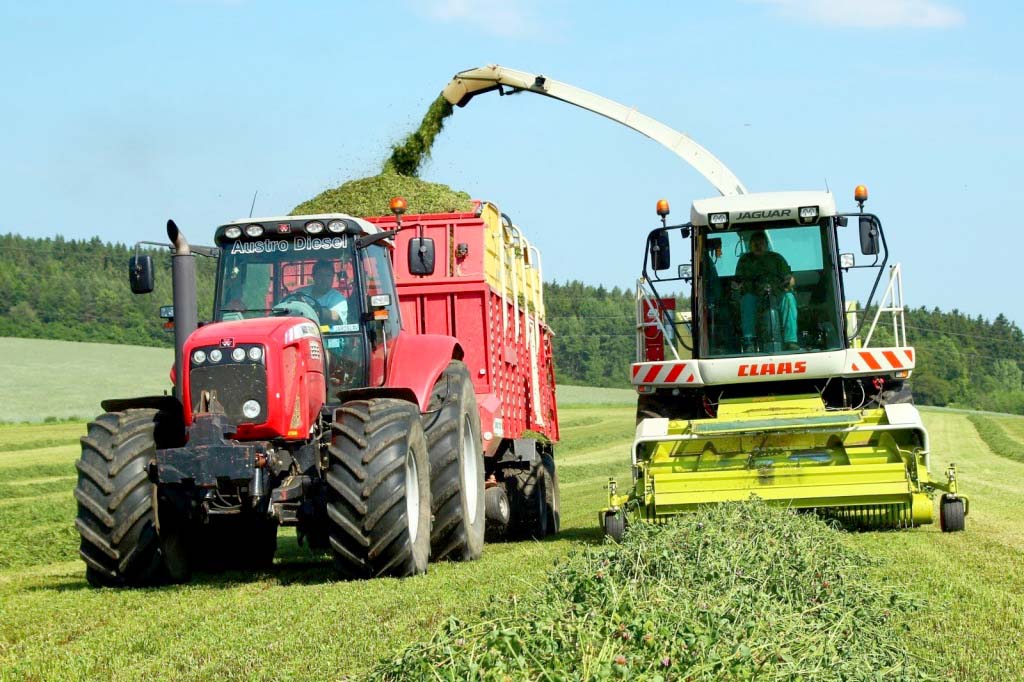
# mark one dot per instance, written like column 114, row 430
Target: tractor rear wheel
column 951, row 514
column 116, row 521
column 378, row 490
column 452, row 428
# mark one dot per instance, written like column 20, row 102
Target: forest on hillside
column 78, row 291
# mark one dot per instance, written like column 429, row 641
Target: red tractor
column 307, row 402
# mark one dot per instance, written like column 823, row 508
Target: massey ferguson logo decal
column 227, row 343
column 768, row 368
column 759, row 215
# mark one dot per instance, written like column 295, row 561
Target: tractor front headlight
column 233, row 232
column 255, row 353
column 199, row 357
column 254, row 230
column 216, row 355
column 251, row 409
column 238, row 354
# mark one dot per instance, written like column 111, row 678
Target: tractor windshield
column 273, row 277
column 768, row 289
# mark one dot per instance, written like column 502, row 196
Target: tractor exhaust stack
column 183, row 278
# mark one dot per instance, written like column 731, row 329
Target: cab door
column 382, row 322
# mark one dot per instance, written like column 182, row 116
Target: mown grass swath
column 996, row 438
column 735, row 591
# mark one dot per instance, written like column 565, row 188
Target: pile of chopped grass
column 371, row 196
column 732, row 592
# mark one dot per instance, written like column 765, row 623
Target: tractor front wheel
column 452, row 428
column 378, row 490
column 116, row 521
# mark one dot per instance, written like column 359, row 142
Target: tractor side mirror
column 140, row 274
column 421, row 256
column 661, row 258
column 868, row 235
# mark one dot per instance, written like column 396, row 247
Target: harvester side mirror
column 868, row 235
column 140, row 274
column 421, row 256
column 661, row 258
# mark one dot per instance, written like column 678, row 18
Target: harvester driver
column 767, row 283
column 333, row 304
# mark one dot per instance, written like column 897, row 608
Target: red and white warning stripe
column 665, row 373
column 868, row 360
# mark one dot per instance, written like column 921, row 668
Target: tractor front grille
column 232, row 384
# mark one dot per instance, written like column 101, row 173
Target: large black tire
column 528, row 502
column 452, row 428
column 552, row 498
column 116, row 520
column 378, row 490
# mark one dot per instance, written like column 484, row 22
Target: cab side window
column 377, row 277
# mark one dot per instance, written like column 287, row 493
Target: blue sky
column 117, row 116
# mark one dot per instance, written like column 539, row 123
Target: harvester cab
column 774, row 384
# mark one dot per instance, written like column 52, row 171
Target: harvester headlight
column 846, row 261
column 336, row 226
column 216, row 355
column 251, row 409
column 314, row 227
column 254, row 230
column 238, row 354
column 233, row 232
column 718, row 220
column 255, row 353
column 808, row 214
column 199, row 357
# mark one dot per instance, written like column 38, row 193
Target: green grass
column 296, row 621
column 996, row 434
column 63, row 379
column 574, row 396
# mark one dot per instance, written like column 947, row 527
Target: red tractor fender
column 416, row 362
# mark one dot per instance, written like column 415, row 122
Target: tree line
column 77, row 290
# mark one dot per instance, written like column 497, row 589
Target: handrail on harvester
column 644, row 294
column 894, row 296
column 467, row 84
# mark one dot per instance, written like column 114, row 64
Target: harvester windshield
column 767, row 289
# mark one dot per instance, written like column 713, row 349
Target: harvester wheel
column 951, row 514
column 116, row 521
column 615, row 525
column 378, row 490
column 552, row 498
column 452, row 428
column 528, row 502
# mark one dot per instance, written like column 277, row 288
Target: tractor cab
column 320, row 268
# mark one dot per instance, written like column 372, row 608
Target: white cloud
column 870, row 13
column 511, row 18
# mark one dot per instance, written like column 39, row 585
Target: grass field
column 296, row 621
column 65, row 380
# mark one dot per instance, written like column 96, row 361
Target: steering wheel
column 303, row 298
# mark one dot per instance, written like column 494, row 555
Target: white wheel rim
column 412, row 495
column 469, row 470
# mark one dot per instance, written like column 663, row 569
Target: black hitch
column 210, row 457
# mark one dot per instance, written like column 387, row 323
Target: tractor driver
column 333, row 304
column 766, row 281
